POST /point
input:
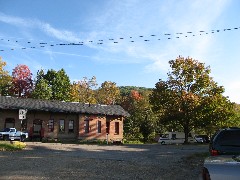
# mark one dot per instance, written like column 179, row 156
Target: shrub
column 13, row 146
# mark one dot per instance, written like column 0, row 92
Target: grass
column 12, row 146
column 132, row 142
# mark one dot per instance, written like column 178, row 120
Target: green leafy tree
column 42, row 90
column 22, row 82
column 54, row 85
column 234, row 121
column 5, row 79
column 61, row 86
column 189, row 98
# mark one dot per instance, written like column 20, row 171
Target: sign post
column 22, row 115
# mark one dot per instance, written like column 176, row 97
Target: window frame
column 61, row 130
column 72, row 129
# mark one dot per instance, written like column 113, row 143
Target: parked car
column 199, row 139
column 224, row 162
column 175, row 138
column 205, row 138
column 12, row 134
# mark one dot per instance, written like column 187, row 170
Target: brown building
column 63, row 120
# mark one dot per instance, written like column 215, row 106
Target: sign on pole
column 22, row 113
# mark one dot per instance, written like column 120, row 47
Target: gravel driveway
column 72, row 161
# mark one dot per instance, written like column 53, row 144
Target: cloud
column 59, row 34
column 165, row 17
column 13, row 20
column 111, row 22
column 62, row 35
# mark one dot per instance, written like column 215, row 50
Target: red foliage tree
column 135, row 95
column 22, row 83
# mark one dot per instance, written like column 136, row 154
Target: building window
column 86, row 126
column 107, row 127
column 50, row 125
column 37, row 126
column 71, row 126
column 99, row 126
column 116, row 127
column 9, row 123
column 61, row 125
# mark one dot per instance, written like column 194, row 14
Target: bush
column 13, row 146
column 132, row 141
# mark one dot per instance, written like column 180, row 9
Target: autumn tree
column 5, row 79
column 189, row 98
column 108, row 93
column 141, row 124
column 83, row 90
column 22, row 81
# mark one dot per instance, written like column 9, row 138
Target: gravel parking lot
column 73, row 161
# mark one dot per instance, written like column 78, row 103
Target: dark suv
column 225, row 142
column 224, row 162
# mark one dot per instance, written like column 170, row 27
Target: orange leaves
column 135, row 95
column 22, row 80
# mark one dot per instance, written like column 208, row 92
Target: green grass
column 132, row 142
column 15, row 146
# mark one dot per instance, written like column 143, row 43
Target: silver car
column 222, row 168
column 224, row 162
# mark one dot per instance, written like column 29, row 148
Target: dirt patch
column 71, row 161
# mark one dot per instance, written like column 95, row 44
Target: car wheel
column 163, row 142
column 23, row 137
column 205, row 174
column 5, row 138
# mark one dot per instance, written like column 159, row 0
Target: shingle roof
column 59, row 106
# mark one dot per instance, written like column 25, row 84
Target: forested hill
column 125, row 90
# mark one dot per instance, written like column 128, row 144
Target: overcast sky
column 128, row 42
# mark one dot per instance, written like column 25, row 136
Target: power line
column 131, row 39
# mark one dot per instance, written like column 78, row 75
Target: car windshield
column 165, row 135
column 229, row 138
column 6, row 129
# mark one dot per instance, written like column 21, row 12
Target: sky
column 129, row 42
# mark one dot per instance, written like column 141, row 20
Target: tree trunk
column 186, row 132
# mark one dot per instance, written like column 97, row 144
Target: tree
column 83, row 91
column 61, row 86
column 5, row 79
column 234, row 120
column 189, row 98
column 108, row 93
column 59, row 83
column 141, row 124
column 42, row 90
column 54, row 85
column 22, row 81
